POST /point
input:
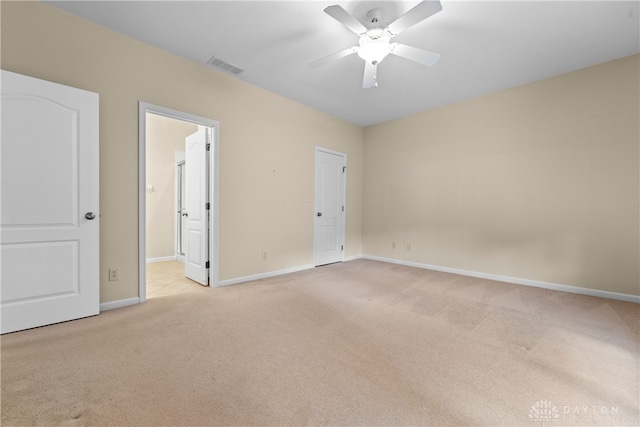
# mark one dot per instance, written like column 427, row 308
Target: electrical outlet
column 264, row 255
column 393, row 245
column 409, row 247
column 114, row 274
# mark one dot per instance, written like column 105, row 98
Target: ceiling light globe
column 374, row 47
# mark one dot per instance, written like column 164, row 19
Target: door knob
column 185, row 213
column 90, row 216
column 319, row 214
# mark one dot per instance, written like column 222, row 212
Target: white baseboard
column 263, row 275
column 517, row 281
column 119, row 303
column 499, row 278
column 161, row 259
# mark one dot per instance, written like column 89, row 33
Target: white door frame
column 143, row 109
column 177, row 209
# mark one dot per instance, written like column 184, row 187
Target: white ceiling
column 484, row 46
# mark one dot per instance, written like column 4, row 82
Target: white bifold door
column 196, row 258
column 49, row 203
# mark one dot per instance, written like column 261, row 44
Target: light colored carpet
column 356, row 343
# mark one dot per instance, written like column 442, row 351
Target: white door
column 196, row 199
column 330, row 174
column 49, row 216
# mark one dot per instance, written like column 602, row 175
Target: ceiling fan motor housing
column 374, row 15
column 374, row 45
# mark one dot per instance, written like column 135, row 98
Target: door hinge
column 208, row 206
column 208, row 146
column 342, row 247
column 344, row 169
column 206, row 264
column 343, row 209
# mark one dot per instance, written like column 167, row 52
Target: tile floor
column 167, row 278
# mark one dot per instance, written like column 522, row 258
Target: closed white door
column 49, row 215
column 330, row 171
column 196, row 199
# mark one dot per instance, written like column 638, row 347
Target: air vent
column 225, row 66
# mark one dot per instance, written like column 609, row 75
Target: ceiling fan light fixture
column 375, row 43
column 374, row 46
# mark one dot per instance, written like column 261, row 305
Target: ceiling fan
column 375, row 43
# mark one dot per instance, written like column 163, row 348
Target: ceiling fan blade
column 420, row 12
column 420, row 56
column 345, row 52
column 345, row 18
column 369, row 79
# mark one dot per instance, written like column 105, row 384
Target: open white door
column 329, row 190
column 196, row 199
column 49, row 217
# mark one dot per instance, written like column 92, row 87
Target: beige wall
column 539, row 182
column 164, row 137
column 259, row 133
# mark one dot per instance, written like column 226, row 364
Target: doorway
column 164, row 243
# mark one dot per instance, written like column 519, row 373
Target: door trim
column 177, row 199
column 344, row 201
column 143, row 109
